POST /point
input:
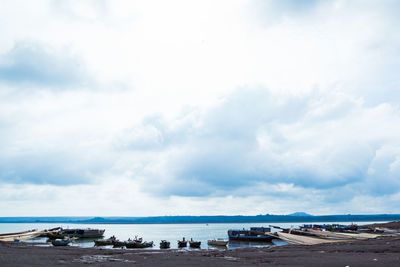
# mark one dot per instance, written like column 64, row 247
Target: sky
column 151, row 108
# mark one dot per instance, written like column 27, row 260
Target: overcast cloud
column 209, row 107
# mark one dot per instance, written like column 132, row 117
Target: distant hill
column 300, row 214
column 297, row 217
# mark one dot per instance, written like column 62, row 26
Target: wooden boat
column 48, row 232
column 182, row 243
column 194, row 244
column 164, row 244
column 137, row 244
column 217, row 242
column 340, row 235
column 17, row 233
column 104, row 242
column 20, row 236
column 118, row 244
column 61, row 242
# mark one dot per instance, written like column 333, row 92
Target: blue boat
column 61, row 242
column 255, row 234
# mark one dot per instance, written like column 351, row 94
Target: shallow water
column 158, row 232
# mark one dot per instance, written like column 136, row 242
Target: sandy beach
column 383, row 251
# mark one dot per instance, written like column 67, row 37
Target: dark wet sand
column 383, row 251
column 377, row 252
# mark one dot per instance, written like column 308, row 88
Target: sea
column 157, row 232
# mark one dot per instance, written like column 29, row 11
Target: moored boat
column 137, row 244
column 257, row 234
column 104, row 242
column 79, row 233
column 194, row 244
column 61, row 242
column 164, row 244
column 217, row 242
column 118, row 244
column 21, row 236
column 182, row 243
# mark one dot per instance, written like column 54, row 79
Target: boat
column 79, row 233
column 217, row 242
column 305, row 240
column 104, row 242
column 61, row 242
column 182, row 243
column 257, row 234
column 20, row 236
column 341, row 235
column 137, row 244
column 332, row 227
column 118, row 244
column 194, row 244
column 164, row 244
column 48, row 232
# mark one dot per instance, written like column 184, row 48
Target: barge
column 256, row 234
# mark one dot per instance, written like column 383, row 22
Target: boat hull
column 118, row 244
column 139, row 244
column 252, row 238
column 182, row 244
column 62, row 243
column 99, row 243
column 80, row 233
column 194, row 244
column 164, row 244
column 218, row 243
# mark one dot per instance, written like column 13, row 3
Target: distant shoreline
column 205, row 219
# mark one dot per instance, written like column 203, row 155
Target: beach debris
column 229, row 258
column 88, row 259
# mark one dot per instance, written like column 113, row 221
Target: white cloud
column 171, row 103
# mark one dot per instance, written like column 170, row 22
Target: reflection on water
column 158, row 232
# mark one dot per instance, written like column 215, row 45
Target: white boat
column 217, row 242
column 20, row 236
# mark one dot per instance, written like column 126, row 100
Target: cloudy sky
column 142, row 108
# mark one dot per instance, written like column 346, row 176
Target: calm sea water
column 158, row 232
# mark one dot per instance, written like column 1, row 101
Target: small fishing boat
column 61, row 242
column 164, row 244
column 118, row 244
column 217, row 242
column 104, row 242
column 194, row 244
column 182, row 243
column 137, row 244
